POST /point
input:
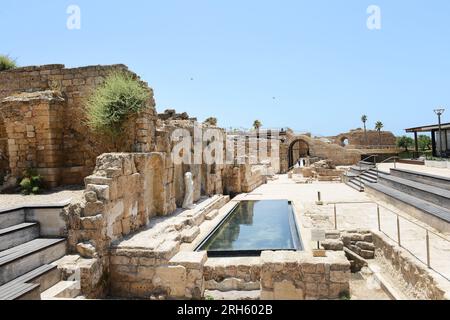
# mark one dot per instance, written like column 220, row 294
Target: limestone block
column 92, row 223
column 366, row 254
column 102, row 191
column 285, row 290
column 337, row 290
column 365, row 245
column 340, row 276
column 93, row 209
column 173, row 278
column 334, row 245
column 189, row 259
column 167, row 250
column 119, row 260
column 190, row 234
column 90, row 196
column 86, row 250
column 146, row 272
column 211, row 215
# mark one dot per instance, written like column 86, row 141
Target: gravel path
column 55, row 196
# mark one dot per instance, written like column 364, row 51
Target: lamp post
column 439, row 113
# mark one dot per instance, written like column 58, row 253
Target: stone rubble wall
column 125, row 191
column 79, row 145
column 299, row 276
column 357, row 139
column 357, row 245
column 34, row 133
column 417, row 281
column 4, row 154
column 320, row 149
column 232, row 274
column 150, row 263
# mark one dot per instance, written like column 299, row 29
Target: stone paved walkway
column 352, row 216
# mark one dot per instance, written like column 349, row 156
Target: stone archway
column 344, row 141
column 299, row 148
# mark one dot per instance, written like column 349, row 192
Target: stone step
column 433, row 215
column 22, row 291
column 425, row 178
column 355, row 185
column 9, row 218
column 233, row 295
column 26, row 257
column 39, row 279
column 214, row 213
column 368, row 178
column 62, row 290
column 18, row 234
column 426, row 192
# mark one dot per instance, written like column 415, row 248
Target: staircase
column 26, row 258
column 361, row 174
column 424, row 196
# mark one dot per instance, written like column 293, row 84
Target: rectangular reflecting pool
column 252, row 227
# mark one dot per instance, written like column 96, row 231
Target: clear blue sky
column 317, row 58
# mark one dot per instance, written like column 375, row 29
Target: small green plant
column 208, row 297
column 211, row 121
column 345, row 295
column 6, row 63
column 114, row 101
column 31, row 182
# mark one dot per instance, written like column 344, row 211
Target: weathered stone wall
column 320, row 149
column 35, row 133
column 299, row 276
column 4, row 162
column 151, row 264
column 123, row 193
column 356, row 139
column 80, row 146
column 417, row 281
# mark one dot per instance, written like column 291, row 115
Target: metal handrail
column 427, row 230
column 361, row 172
column 395, row 162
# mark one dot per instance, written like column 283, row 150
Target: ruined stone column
column 34, row 128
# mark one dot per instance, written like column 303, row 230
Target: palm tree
column 378, row 126
column 364, row 120
column 257, row 124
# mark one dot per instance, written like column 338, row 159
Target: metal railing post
column 335, row 217
column 398, row 231
column 378, row 215
column 395, row 163
column 428, row 250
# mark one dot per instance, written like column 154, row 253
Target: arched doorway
column 297, row 150
column 344, row 142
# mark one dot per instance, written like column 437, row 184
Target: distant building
column 439, row 143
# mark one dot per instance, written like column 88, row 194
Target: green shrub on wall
column 114, row 101
column 31, row 182
column 6, row 63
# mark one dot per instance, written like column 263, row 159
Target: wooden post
column 416, row 144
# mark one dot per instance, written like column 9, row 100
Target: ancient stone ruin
column 142, row 213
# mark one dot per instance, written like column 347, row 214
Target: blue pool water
column 252, row 227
